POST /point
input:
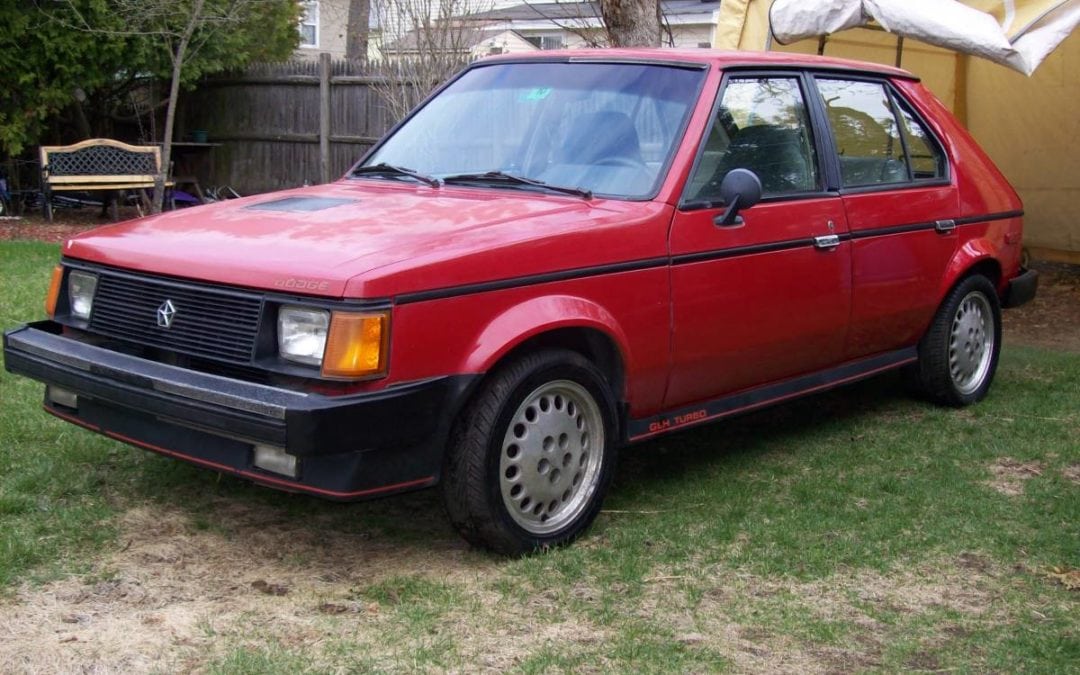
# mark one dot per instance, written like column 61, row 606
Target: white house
column 560, row 25
column 499, row 26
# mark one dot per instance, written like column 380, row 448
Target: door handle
column 945, row 226
column 827, row 242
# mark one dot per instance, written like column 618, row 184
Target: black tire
column 532, row 455
column 958, row 355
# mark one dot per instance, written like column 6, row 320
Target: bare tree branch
column 425, row 42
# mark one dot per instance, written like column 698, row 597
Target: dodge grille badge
column 165, row 314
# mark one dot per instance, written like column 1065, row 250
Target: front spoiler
column 349, row 446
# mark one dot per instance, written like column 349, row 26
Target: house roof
column 468, row 38
column 559, row 11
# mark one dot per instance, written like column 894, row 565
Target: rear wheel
column 531, row 457
column 959, row 353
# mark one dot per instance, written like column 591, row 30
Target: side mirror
column 740, row 189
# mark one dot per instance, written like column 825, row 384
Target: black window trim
column 826, row 187
column 903, row 104
column 900, row 132
column 896, row 99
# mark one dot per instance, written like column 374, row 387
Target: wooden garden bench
column 98, row 164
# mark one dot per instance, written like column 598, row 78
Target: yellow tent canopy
column 1029, row 125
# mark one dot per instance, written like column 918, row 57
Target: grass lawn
column 851, row 531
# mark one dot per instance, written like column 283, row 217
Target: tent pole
column 821, row 44
column 899, row 50
column 960, row 97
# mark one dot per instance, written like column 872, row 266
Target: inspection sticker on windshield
column 537, row 94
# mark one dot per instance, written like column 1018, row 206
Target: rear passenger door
column 768, row 298
column 898, row 197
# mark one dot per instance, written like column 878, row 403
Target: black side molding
column 766, row 395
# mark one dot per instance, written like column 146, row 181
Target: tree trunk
column 170, row 110
column 632, row 23
column 356, row 30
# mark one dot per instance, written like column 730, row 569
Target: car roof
column 717, row 57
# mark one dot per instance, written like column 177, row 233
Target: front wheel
column 959, row 353
column 531, row 457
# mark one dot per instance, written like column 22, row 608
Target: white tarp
column 1014, row 33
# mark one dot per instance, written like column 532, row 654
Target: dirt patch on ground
column 1009, row 475
column 161, row 603
column 1072, row 473
column 65, row 224
column 735, row 615
column 177, row 598
column 1052, row 319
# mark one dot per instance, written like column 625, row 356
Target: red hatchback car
column 551, row 257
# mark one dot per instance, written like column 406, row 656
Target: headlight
column 302, row 334
column 81, row 287
column 346, row 345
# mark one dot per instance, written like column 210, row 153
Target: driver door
column 768, row 298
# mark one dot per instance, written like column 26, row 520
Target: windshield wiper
column 384, row 168
column 502, row 178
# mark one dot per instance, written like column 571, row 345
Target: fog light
column 64, row 397
column 275, row 459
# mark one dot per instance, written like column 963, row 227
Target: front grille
column 210, row 322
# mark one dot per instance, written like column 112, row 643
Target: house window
column 309, row 23
column 546, row 41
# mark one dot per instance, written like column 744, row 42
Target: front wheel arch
column 594, row 345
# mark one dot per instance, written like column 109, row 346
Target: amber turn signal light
column 356, row 345
column 54, row 291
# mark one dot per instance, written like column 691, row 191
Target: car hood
column 366, row 238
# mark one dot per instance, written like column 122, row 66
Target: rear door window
column 878, row 140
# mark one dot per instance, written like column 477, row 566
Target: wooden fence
column 281, row 125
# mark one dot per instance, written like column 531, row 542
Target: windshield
column 608, row 128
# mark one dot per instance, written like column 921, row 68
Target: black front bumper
column 1021, row 289
column 348, row 447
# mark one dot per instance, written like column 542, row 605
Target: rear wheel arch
column 975, row 258
column 986, row 267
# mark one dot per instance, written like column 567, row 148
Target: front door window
column 762, row 125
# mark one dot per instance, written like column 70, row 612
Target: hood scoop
column 300, row 204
